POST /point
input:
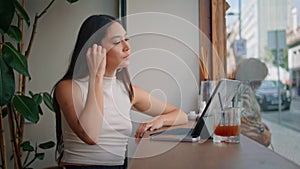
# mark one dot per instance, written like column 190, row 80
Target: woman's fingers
column 95, row 50
column 151, row 125
column 139, row 132
column 143, row 127
column 103, row 62
column 96, row 58
column 99, row 50
column 146, row 126
column 88, row 54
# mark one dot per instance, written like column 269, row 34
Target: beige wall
column 165, row 38
column 55, row 39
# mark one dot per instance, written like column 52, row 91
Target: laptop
column 225, row 90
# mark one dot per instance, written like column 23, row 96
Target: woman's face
column 117, row 47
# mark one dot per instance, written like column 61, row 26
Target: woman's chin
column 124, row 64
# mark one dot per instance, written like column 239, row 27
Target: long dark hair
column 92, row 31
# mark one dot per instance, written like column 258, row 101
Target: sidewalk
column 286, row 134
column 285, row 141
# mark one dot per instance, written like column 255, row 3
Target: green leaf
column 7, row 11
column 27, row 107
column 37, row 98
column 7, row 82
column 47, row 145
column 40, row 156
column 27, row 147
column 15, row 59
column 72, row 1
column 31, row 94
column 48, row 101
column 15, row 33
column 22, row 12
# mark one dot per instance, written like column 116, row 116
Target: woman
column 251, row 72
column 93, row 99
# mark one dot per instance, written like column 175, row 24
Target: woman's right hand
column 96, row 60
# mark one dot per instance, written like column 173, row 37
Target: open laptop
column 227, row 90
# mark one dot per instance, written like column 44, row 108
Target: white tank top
column 116, row 128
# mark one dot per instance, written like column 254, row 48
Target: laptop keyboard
column 178, row 131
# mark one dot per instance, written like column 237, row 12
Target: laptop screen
column 226, row 90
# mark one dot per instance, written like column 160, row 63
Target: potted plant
column 16, row 105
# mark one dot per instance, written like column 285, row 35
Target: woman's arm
column 85, row 119
column 165, row 114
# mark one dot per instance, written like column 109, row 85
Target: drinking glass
column 227, row 126
column 206, row 90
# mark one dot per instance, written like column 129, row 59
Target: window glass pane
column 269, row 30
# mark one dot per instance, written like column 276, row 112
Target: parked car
column 267, row 95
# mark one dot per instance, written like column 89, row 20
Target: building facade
column 258, row 19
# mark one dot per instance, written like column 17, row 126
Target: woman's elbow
column 183, row 118
column 90, row 140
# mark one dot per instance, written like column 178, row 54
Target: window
column 258, row 19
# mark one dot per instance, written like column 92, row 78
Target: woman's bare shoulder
column 65, row 87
